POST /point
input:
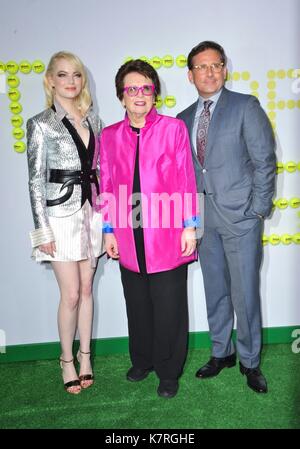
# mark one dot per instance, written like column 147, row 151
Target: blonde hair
column 84, row 99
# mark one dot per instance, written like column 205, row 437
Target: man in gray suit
column 234, row 160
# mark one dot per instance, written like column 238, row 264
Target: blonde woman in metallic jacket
column 63, row 185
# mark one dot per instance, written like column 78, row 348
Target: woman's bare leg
column 68, row 278
column 85, row 316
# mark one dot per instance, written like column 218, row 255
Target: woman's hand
column 111, row 245
column 188, row 241
column 48, row 248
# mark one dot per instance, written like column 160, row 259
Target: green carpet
column 32, row 397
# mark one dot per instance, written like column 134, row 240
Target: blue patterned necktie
column 202, row 131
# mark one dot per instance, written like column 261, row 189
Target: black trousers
column 157, row 319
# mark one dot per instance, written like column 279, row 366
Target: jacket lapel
column 190, row 123
column 216, row 120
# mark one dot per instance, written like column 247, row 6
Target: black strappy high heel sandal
column 69, row 386
column 86, row 380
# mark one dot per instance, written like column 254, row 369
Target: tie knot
column 207, row 104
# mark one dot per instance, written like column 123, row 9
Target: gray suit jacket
column 240, row 163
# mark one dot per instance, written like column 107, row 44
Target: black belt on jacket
column 69, row 178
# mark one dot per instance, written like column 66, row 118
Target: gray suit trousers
column 231, row 270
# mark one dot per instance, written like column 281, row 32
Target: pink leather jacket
column 168, row 188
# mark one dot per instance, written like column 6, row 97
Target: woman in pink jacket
column 149, row 209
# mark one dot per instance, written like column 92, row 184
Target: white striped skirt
column 77, row 237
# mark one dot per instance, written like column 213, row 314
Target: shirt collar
column 61, row 113
column 215, row 97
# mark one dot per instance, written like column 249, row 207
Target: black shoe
column 255, row 379
column 167, row 388
column 215, row 365
column 137, row 374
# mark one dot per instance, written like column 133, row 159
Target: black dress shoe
column 168, row 388
column 255, row 379
column 137, row 374
column 215, row 365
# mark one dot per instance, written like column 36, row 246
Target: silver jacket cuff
column 41, row 236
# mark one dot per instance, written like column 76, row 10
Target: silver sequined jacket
column 50, row 146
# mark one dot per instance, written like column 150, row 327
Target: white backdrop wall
column 261, row 38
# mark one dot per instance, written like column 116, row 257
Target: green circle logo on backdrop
column 25, row 66
column 286, row 239
column 274, row 239
column 295, row 202
column 296, row 238
column 12, row 67
column 159, row 102
column 279, row 167
column 181, row 61
column 168, row 61
column 38, row 66
column 15, row 107
column 19, row 147
column 18, row 133
column 282, row 203
column 16, row 121
column 170, row 101
column 14, row 94
column 13, row 81
column 291, row 166
column 156, row 62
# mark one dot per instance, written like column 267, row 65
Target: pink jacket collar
column 150, row 118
